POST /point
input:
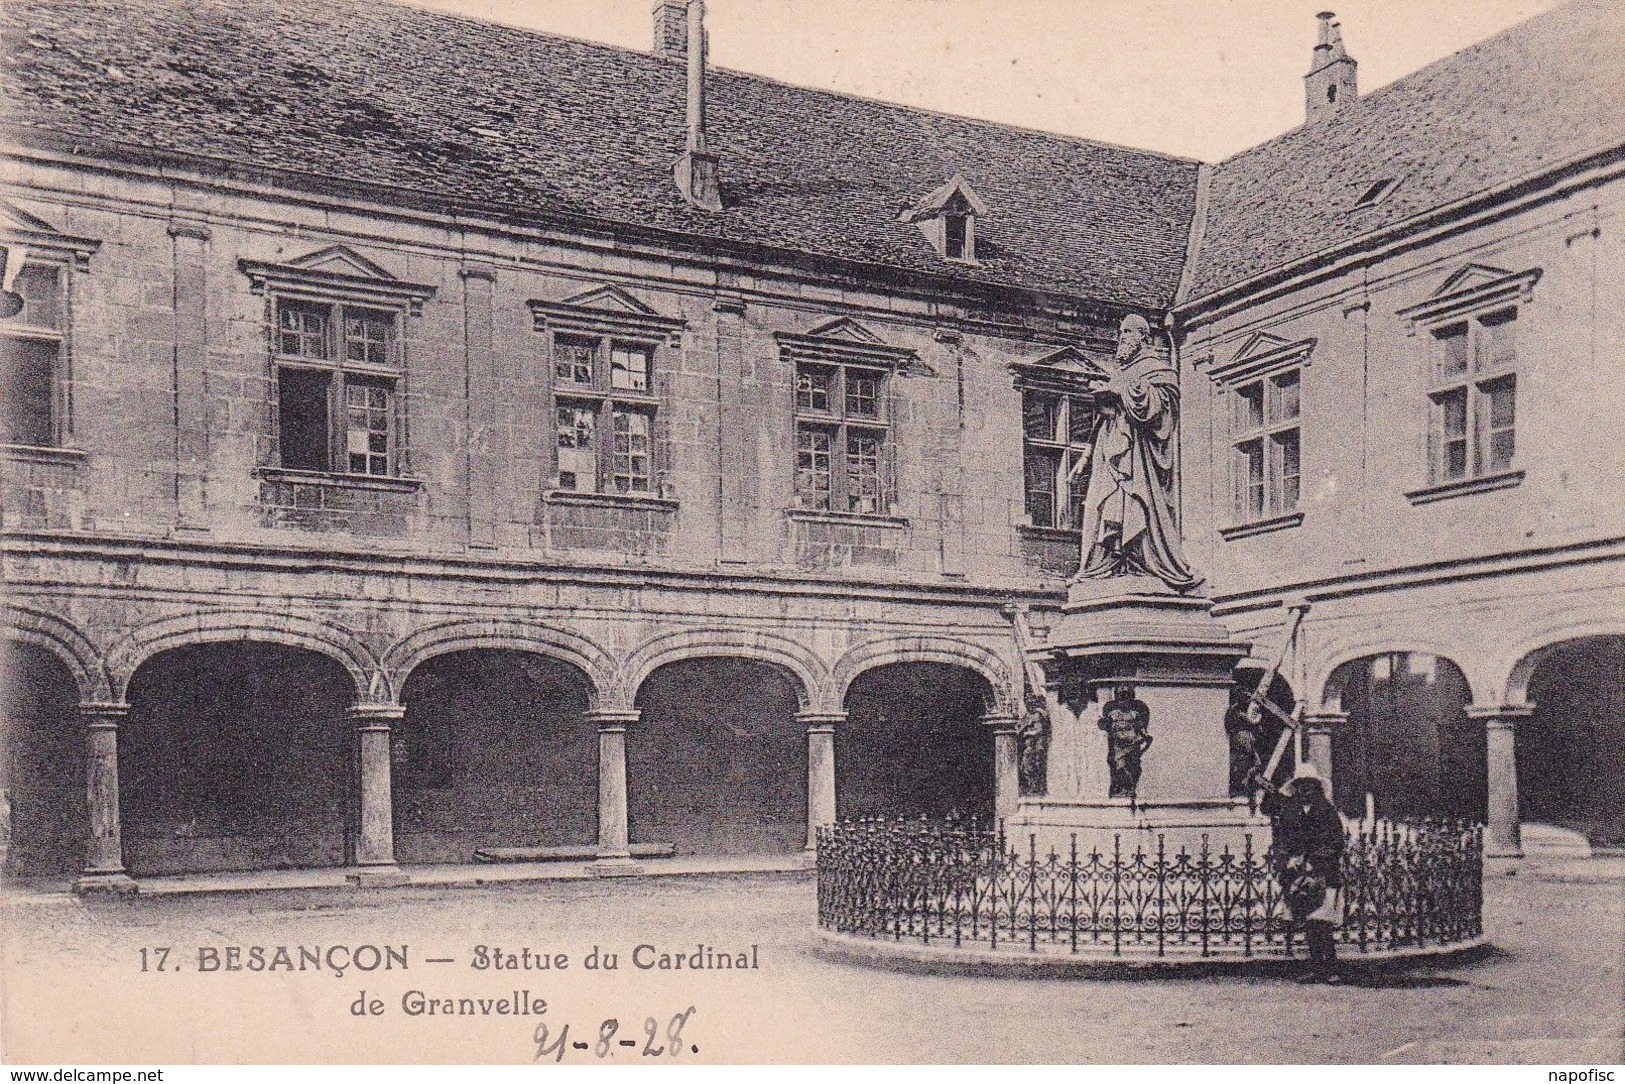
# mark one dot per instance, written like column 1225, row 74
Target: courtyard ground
column 74, row 988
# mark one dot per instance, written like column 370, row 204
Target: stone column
column 1006, row 763
column 1318, row 728
column 375, row 822
column 820, row 770
column 484, row 464
column 104, row 851
column 191, row 241
column 1501, row 837
column 614, row 853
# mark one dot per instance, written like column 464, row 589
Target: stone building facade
column 395, row 475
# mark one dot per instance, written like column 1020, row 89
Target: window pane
column 631, row 453
column 40, row 290
column 1497, row 415
column 1080, row 420
column 1249, row 406
column 954, row 245
column 578, row 468
column 863, row 472
column 862, row 393
column 27, row 375
column 1450, row 435
column 302, row 417
column 1043, row 468
column 1284, row 457
column 1451, row 343
column 629, row 368
column 369, row 419
column 572, row 361
column 814, row 384
column 366, row 336
column 302, row 330
column 1250, row 479
column 1040, row 416
column 813, row 477
column 1283, row 405
column 1496, row 346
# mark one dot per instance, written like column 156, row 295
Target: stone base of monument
column 1117, row 828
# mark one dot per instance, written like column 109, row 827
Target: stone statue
column 1127, row 723
column 1253, row 734
column 1035, row 730
column 1128, row 513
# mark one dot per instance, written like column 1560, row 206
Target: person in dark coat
column 1307, row 845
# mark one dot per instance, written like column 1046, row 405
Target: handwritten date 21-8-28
column 657, row 1041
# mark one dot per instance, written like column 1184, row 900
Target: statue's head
column 1123, row 692
column 1133, row 334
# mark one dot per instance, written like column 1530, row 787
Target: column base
column 105, row 884
column 376, row 877
column 809, row 858
column 615, row 865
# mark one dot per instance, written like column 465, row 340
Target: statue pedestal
column 1130, row 630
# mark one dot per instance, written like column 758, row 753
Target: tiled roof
column 1540, row 94
column 482, row 115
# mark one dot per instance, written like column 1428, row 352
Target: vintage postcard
column 682, row 532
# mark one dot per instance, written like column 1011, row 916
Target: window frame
column 606, row 401
column 1473, row 293
column 845, row 491
column 1479, row 373
column 1266, row 436
column 1065, row 514
column 342, row 373
column 1263, row 362
column 58, row 423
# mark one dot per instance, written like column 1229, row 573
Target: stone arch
column 43, row 629
column 1324, row 674
column 1520, row 663
column 421, row 645
column 989, row 664
column 224, row 626
column 812, row 676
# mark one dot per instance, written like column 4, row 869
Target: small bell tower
column 1332, row 84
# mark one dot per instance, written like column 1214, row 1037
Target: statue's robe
column 1131, row 479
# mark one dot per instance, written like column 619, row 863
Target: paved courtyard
column 75, row 990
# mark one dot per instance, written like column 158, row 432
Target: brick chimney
column 671, row 29
column 1331, row 85
column 696, row 171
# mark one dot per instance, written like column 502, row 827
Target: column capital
column 1503, row 716
column 821, row 721
column 1001, row 722
column 613, row 720
column 1325, row 720
column 375, row 716
column 103, row 716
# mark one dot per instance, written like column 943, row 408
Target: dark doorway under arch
column 1408, row 740
column 1571, row 751
column 717, row 763
column 43, row 763
column 914, row 743
column 236, row 756
column 494, row 751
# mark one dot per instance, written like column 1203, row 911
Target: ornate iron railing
column 958, row 883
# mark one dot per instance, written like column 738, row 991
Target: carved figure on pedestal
column 1253, row 734
column 1035, row 731
column 1128, row 512
column 1127, row 723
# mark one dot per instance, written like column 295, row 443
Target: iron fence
column 959, row 883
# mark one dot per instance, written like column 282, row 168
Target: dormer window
column 947, row 218
column 1375, row 194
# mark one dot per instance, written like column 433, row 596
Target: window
column 602, row 386
column 337, row 372
column 30, row 356
column 1266, row 453
column 1474, row 397
column 841, row 438
column 957, row 227
column 1057, row 430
